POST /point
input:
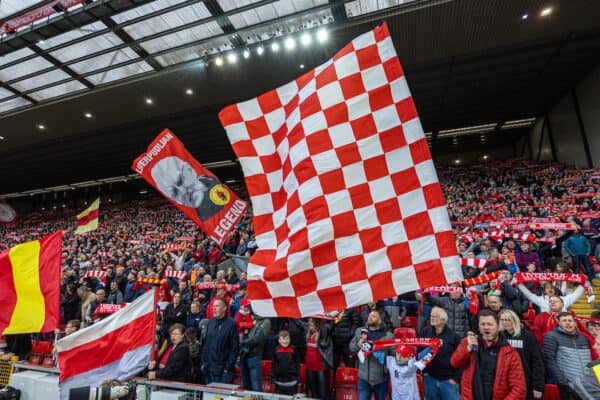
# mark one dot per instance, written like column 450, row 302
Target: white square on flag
column 347, row 167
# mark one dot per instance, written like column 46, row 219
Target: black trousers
column 318, row 384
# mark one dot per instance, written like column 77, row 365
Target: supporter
column 529, row 350
column 87, row 297
column 285, row 366
column 366, row 311
column 566, row 354
column 191, row 338
column 114, row 296
column 90, row 316
column 72, row 326
column 579, row 248
column 176, row 363
column 231, row 276
column 593, row 326
column 319, row 358
column 185, row 292
column 543, row 301
column 587, row 386
column 454, row 305
column 526, row 256
column 192, row 320
column 221, row 346
column 491, row 367
column 343, row 329
column 440, row 378
column 221, row 293
column 545, row 321
column 69, row 302
column 175, row 312
column 251, row 351
column 372, row 374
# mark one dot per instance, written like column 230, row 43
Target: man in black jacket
column 441, row 380
column 221, row 347
column 343, row 329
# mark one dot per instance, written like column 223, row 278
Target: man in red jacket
column 492, row 368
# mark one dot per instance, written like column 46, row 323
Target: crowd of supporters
column 501, row 338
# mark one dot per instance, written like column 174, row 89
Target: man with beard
column 492, row 368
column 372, row 374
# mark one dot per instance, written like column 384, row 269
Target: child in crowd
column 403, row 372
column 285, row 366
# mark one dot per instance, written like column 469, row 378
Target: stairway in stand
column 582, row 307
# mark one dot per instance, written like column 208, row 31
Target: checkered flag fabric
column 346, row 201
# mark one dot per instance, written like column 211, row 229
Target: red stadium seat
column 346, row 384
column 409, row 322
column 404, row 333
column 237, row 376
column 551, row 392
column 267, row 386
column 48, row 361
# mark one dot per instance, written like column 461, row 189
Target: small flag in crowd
column 8, row 215
column 346, row 200
column 87, row 220
column 117, row 347
column 30, row 286
column 172, row 170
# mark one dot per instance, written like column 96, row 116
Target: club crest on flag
column 346, row 201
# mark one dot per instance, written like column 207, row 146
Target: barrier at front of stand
column 6, row 370
column 168, row 390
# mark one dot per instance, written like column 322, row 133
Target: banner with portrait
column 172, row 170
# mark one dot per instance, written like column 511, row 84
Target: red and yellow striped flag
column 87, row 220
column 30, row 286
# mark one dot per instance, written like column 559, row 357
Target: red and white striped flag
column 174, row 274
column 116, row 347
column 474, row 262
column 346, row 200
column 96, row 274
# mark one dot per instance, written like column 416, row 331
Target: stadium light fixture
column 149, row 101
column 218, row 61
column 306, row 39
column 41, row 127
column 546, row 12
column 260, row 50
column 232, row 58
column 322, row 35
column 275, row 47
column 189, row 91
column 246, row 53
column 524, row 16
column 301, row 66
column 290, row 43
column 1, row 137
column 88, row 115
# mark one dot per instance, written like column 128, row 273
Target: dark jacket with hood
column 531, row 357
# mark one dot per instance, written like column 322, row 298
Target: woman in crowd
column 176, row 363
column 319, row 358
column 529, row 351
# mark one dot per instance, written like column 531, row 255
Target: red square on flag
column 363, row 205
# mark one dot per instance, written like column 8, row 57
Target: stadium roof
column 84, row 90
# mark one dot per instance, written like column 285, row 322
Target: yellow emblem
column 219, row 195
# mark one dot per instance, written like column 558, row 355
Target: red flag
column 172, row 170
column 346, row 201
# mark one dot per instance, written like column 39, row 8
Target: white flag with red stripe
column 346, row 201
column 116, row 347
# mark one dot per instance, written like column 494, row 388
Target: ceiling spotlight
column 1, row 137
column 218, row 61
column 322, row 35
column 88, row 115
column 301, row 66
column 290, row 43
column 232, row 58
column 40, row 42
column 189, row 92
column 41, row 127
column 485, row 157
column 246, row 53
column 457, row 161
column 260, row 50
column 305, row 39
column 149, row 101
column 546, row 11
column 275, row 47
column 524, row 16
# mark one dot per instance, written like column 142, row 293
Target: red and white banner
column 474, row 262
column 553, row 226
column 105, row 308
column 523, row 277
column 8, row 215
column 34, row 15
column 346, row 201
column 116, row 347
column 444, row 289
column 172, row 170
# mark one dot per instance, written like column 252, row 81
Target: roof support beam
column 224, row 22
column 46, row 56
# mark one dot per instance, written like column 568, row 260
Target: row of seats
column 41, row 353
column 346, row 382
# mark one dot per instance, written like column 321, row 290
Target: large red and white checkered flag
column 346, row 201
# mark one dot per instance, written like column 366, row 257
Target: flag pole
column 154, row 322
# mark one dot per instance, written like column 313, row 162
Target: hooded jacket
column 566, row 355
column 509, row 381
column 372, row 370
